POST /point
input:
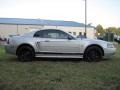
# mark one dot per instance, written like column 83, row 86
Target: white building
column 13, row 26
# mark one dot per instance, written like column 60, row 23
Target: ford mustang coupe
column 55, row 43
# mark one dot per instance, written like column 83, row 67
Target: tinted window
column 38, row 34
column 56, row 34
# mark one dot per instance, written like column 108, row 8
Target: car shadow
column 75, row 60
column 59, row 59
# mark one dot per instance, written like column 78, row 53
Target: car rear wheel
column 93, row 54
column 25, row 53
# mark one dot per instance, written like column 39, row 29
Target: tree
column 118, row 31
column 100, row 29
column 113, row 30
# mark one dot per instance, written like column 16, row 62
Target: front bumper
column 109, row 52
column 10, row 49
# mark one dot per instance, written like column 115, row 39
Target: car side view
column 54, row 43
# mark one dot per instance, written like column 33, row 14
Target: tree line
column 100, row 30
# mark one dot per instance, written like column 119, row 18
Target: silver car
column 55, row 43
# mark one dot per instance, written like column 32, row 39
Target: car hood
column 92, row 40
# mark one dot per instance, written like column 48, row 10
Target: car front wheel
column 25, row 53
column 93, row 54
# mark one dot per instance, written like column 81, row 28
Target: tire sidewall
column 93, row 48
column 25, row 49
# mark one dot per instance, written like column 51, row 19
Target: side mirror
column 70, row 38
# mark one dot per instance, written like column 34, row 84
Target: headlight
column 110, row 45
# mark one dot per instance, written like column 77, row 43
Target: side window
column 55, row 34
column 61, row 34
column 38, row 34
column 43, row 34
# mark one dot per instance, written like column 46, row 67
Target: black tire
column 25, row 53
column 93, row 54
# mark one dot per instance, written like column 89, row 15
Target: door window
column 55, row 34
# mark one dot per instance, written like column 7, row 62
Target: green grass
column 60, row 74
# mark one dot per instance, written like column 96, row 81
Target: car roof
column 32, row 32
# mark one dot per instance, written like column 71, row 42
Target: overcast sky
column 104, row 12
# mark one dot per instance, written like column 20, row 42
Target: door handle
column 47, row 41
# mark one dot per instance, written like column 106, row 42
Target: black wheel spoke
column 93, row 54
column 25, row 54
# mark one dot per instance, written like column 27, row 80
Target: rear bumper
column 10, row 49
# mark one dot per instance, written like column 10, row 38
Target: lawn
column 59, row 74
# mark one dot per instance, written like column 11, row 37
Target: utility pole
column 85, row 18
column 17, row 30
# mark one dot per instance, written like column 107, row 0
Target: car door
column 56, row 41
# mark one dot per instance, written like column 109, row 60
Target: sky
column 104, row 12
